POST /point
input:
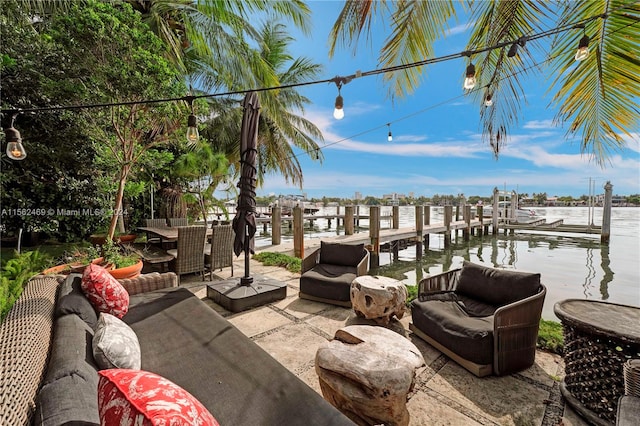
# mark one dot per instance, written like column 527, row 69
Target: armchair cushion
column 448, row 322
column 496, row 286
column 329, row 281
column 341, row 254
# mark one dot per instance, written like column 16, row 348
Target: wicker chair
column 189, row 255
column 178, row 221
column 219, row 254
column 155, row 223
column 483, row 318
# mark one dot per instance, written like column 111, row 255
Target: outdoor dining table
column 168, row 234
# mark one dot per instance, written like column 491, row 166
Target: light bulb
column 16, row 151
column 583, row 49
column 338, row 112
column 470, row 79
column 488, row 101
column 390, row 137
column 192, row 131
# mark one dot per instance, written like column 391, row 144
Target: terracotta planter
column 65, row 269
column 98, row 239
column 127, row 272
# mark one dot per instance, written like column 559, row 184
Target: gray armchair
column 178, row 221
column 155, row 223
column 483, row 318
column 327, row 272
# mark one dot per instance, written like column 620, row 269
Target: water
column 571, row 265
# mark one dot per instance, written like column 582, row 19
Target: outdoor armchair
column 178, row 221
column 155, row 223
column 483, row 318
column 189, row 255
column 327, row 273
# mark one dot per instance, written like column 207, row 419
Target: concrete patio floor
column 292, row 329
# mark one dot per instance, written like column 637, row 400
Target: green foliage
column 412, row 293
column 118, row 256
column 292, row 264
column 15, row 273
column 550, row 336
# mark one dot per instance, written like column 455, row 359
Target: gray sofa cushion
column 341, row 254
column 446, row 321
column 187, row 342
column 70, row 388
column 71, row 300
column 496, row 286
column 328, row 281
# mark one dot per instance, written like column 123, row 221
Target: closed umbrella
column 244, row 222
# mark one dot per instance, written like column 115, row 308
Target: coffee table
column 378, row 298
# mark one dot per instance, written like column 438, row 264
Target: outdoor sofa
column 49, row 374
column 483, row 318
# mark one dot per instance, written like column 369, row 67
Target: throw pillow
column 104, row 292
column 143, row 398
column 115, row 344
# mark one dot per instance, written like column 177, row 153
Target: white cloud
column 459, row 29
column 539, row 124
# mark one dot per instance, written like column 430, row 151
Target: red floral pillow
column 104, row 292
column 135, row 397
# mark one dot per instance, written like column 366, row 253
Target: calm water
column 572, row 265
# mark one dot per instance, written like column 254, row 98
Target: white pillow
column 115, row 344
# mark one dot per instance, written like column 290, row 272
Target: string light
column 15, row 150
column 488, row 100
column 390, row 136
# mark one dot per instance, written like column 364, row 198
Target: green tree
column 597, row 99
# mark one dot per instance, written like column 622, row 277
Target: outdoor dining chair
column 155, row 223
column 219, row 254
column 178, row 221
column 189, row 256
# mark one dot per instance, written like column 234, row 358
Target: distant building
column 358, row 196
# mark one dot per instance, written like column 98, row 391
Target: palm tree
column 280, row 128
column 598, row 99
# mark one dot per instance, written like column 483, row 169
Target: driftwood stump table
column 367, row 373
column 378, row 298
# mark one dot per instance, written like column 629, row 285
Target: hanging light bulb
column 513, row 50
column 192, row 130
column 316, row 154
column 390, row 136
column 583, row 49
column 470, row 78
column 338, row 112
column 15, row 150
column 193, row 135
column 488, row 100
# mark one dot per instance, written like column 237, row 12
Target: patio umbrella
column 244, row 222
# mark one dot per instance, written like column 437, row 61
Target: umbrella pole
column 246, row 280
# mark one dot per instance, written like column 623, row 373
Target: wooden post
column 337, row 216
column 427, row 221
column 605, row 232
column 448, row 216
column 494, row 218
column 276, row 225
column 358, row 218
column 396, row 217
column 348, row 220
column 480, row 214
column 419, row 228
column 374, row 235
column 466, row 214
column 298, row 233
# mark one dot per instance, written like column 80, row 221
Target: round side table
column 378, row 298
column 599, row 337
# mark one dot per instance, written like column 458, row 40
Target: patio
column 445, row 394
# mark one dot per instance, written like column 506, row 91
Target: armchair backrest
column 341, row 254
column 221, row 246
column 496, row 287
column 178, row 221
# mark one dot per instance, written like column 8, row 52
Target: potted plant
column 119, row 261
column 74, row 261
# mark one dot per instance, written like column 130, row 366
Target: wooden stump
column 378, row 298
column 367, row 373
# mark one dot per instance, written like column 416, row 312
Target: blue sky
column 437, row 146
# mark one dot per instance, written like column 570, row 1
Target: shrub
column 292, row 264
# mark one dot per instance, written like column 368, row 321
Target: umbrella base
column 235, row 296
